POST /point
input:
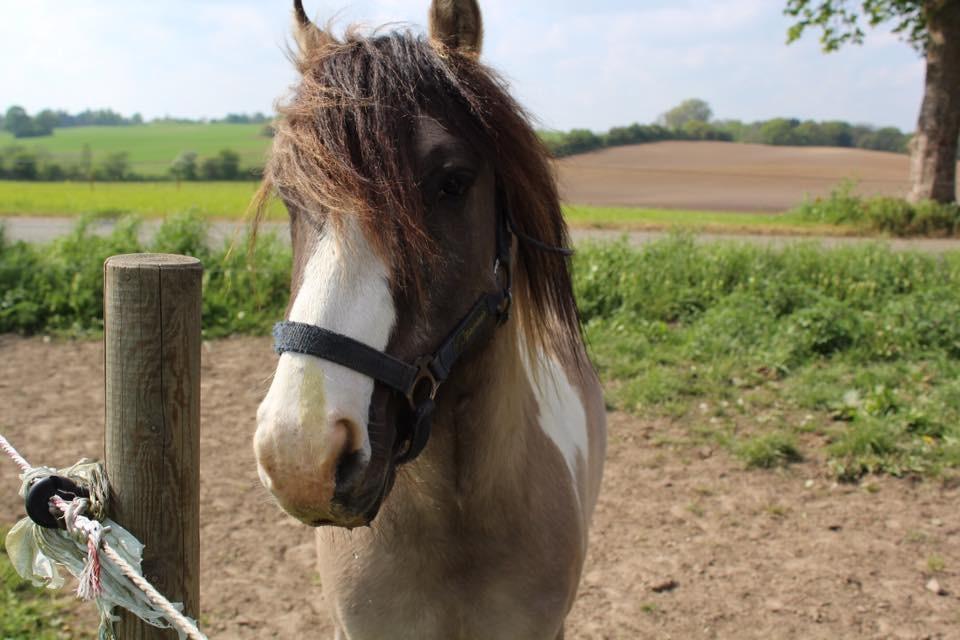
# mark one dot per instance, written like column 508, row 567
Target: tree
column 86, row 161
column 779, row 131
column 23, row 164
column 229, row 164
column 18, row 122
column 690, row 110
column 932, row 27
column 115, row 166
column 45, row 121
column 210, row 169
column 185, row 166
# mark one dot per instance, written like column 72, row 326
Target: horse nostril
column 349, row 472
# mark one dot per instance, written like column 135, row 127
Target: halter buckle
column 424, row 374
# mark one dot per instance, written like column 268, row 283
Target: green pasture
column 151, row 147
column 229, row 200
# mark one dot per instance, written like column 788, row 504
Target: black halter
column 417, row 382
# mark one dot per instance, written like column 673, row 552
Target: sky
column 573, row 64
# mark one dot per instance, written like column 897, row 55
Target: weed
column 936, row 563
column 768, row 451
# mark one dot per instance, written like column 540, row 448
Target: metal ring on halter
column 424, row 374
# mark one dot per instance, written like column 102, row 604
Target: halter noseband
column 417, row 382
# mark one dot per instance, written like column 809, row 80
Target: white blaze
column 345, row 289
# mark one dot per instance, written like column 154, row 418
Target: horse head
column 409, row 174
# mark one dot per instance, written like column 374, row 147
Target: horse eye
column 456, row 185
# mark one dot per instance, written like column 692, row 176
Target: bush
column 59, row 287
column 884, row 214
column 842, row 206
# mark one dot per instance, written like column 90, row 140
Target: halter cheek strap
column 417, row 382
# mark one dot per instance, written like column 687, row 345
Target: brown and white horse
column 402, row 160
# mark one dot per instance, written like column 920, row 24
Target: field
column 150, row 199
column 725, row 176
column 151, row 147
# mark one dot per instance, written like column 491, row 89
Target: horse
column 433, row 411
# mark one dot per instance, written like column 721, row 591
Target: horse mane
column 344, row 144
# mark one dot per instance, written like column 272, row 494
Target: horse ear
column 308, row 35
column 457, row 24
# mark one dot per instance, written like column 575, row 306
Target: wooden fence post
column 152, row 309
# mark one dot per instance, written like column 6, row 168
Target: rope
column 19, row 460
column 93, row 531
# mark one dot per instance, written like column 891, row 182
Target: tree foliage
column 18, row 122
column 692, row 110
column 843, row 21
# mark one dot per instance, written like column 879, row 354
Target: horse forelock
column 344, row 146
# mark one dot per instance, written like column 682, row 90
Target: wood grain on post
column 152, row 309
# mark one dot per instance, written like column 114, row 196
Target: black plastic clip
column 42, row 491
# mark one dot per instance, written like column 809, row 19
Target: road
column 46, row 229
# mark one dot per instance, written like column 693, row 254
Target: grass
column 709, row 221
column 27, row 612
column 151, row 147
column 227, row 200
column 769, row 450
column 848, row 356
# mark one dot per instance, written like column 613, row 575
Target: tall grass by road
column 850, row 355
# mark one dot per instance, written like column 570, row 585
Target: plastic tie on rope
column 74, row 541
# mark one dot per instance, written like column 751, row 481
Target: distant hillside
column 724, row 176
column 151, row 147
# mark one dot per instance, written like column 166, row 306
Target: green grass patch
column 769, row 450
column 150, row 199
column 151, row 147
column 27, row 612
column 853, row 352
column 719, row 221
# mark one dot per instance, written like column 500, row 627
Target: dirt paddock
column 685, row 543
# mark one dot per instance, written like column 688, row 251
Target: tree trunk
column 933, row 161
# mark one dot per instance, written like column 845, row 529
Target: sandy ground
column 685, row 543
column 725, row 176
